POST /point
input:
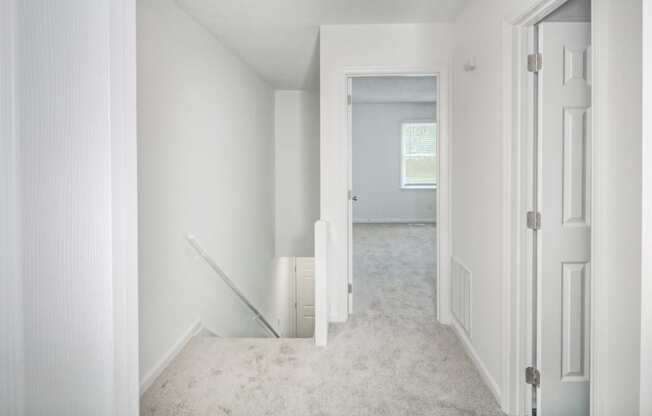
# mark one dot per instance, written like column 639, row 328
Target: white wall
column 476, row 177
column 297, row 171
column 476, row 172
column 400, row 46
column 206, row 167
column 377, row 164
column 70, row 162
column 618, row 87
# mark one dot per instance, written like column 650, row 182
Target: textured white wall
column 377, row 164
column 11, row 296
column 297, row 171
column 619, row 86
column 206, row 167
column 74, row 161
column 406, row 46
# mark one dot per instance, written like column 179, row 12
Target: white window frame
column 403, row 184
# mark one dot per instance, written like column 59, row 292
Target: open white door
column 351, row 197
column 564, row 274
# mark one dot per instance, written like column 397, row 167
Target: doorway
column 393, row 181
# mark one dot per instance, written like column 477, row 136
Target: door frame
column 646, row 226
column 443, row 211
column 517, row 148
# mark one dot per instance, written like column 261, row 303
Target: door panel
column 305, row 290
column 564, row 141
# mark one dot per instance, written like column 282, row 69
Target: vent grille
column 461, row 295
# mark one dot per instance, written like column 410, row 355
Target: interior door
column 305, row 295
column 563, row 284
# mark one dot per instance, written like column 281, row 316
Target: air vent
column 461, row 295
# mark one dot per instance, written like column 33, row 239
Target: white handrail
column 258, row 317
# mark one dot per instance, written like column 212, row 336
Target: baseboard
column 393, row 221
column 475, row 358
column 153, row 374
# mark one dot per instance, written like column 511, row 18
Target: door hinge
column 350, row 194
column 532, row 376
column 534, row 62
column 349, row 99
column 350, row 287
column 534, row 220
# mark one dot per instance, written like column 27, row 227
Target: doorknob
column 355, row 197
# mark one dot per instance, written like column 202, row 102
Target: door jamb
column 443, row 214
column 646, row 234
column 517, row 125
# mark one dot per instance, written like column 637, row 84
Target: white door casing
column 349, row 121
column 564, row 177
column 305, row 296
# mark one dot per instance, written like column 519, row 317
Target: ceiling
column 280, row 38
column 394, row 89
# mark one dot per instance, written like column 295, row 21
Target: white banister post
column 321, row 283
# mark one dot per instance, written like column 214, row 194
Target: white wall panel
column 574, row 192
column 575, row 339
column 11, row 297
column 71, row 81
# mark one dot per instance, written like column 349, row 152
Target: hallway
column 390, row 358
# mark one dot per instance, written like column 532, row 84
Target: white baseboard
column 393, row 221
column 475, row 358
column 153, row 374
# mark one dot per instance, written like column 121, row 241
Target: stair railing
column 258, row 317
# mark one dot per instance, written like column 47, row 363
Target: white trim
column 477, row 362
column 394, row 221
column 646, row 228
column 195, row 329
column 599, row 358
column 11, row 305
column 443, row 200
column 124, row 210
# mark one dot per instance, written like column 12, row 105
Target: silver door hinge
column 349, row 99
column 532, row 376
column 534, row 62
column 350, row 194
column 533, row 220
column 350, row 288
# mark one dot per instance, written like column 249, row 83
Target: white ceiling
column 280, row 38
column 394, row 89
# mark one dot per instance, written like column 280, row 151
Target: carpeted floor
column 390, row 358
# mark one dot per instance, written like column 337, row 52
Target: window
column 419, row 155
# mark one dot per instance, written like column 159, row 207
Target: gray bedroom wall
column 377, row 164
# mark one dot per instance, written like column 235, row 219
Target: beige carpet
column 390, row 358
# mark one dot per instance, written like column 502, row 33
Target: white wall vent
column 461, row 295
